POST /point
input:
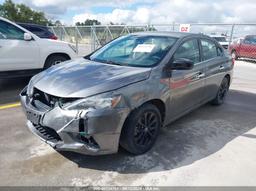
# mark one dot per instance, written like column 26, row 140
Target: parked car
column 222, row 40
column 39, row 30
column 244, row 48
column 126, row 91
column 24, row 53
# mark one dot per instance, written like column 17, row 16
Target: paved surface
column 210, row 146
column 10, row 89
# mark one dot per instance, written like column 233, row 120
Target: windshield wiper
column 113, row 63
column 110, row 62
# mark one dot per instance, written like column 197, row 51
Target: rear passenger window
column 188, row 50
column 38, row 31
column 219, row 51
column 209, row 49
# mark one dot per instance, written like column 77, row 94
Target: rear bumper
column 91, row 132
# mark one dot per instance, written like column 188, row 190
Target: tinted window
column 9, row 31
column 219, row 51
column 250, row 40
column 188, row 50
column 38, row 31
column 209, row 49
column 24, row 26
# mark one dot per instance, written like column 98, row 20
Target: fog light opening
column 81, row 126
column 82, row 132
column 85, row 138
column 90, row 142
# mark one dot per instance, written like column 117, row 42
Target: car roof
column 170, row 34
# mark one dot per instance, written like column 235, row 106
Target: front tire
column 222, row 92
column 141, row 129
column 54, row 60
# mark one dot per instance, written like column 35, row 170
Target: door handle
column 201, row 75
column 221, row 67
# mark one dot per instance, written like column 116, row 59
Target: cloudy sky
column 147, row 11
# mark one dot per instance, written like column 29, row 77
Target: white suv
column 23, row 51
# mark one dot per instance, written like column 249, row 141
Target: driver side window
column 9, row 31
column 188, row 50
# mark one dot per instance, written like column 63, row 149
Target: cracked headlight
column 94, row 102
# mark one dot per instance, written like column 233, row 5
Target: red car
column 245, row 48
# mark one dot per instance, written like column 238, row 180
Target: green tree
column 8, row 10
column 88, row 22
column 22, row 13
column 57, row 23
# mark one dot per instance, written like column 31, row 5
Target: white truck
column 221, row 39
column 24, row 53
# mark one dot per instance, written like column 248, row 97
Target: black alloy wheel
column 222, row 92
column 146, row 129
column 141, row 129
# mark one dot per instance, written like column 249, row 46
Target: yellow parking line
column 10, row 105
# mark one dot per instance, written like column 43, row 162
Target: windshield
column 220, row 39
column 142, row 51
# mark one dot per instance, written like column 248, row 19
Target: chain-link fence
column 89, row 38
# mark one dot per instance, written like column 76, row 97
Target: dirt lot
column 210, row 146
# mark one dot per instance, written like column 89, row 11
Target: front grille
column 48, row 134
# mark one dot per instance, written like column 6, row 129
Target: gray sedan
column 123, row 93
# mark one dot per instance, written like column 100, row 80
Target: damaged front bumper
column 91, row 132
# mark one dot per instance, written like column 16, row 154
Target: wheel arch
column 158, row 103
column 56, row 54
column 228, row 77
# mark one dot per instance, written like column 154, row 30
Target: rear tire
column 222, row 92
column 141, row 129
column 54, row 60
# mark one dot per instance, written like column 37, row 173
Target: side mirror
column 27, row 37
column 182, row 64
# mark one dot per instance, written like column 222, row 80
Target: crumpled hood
column 83, row 78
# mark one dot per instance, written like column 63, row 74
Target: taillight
column 53, row 37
